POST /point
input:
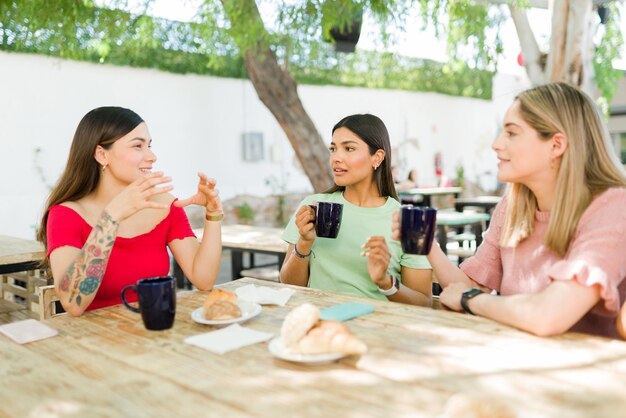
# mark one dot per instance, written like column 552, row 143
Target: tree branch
column 533, row 58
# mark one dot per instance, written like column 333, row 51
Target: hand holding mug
column 378, row 256
column 138, row 195
column 327, row 219
column 207, row 195
column 304, row 219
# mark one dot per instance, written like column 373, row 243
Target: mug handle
column 132, row 308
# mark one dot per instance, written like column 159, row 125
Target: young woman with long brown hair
column 110, row 219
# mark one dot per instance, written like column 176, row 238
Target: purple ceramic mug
column 417, row 229
column 327, row 219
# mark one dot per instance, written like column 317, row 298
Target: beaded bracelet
column 299, row 254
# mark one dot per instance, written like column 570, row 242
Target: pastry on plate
column 302, row 332
column 221, row 304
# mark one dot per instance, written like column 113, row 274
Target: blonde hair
column 588, row 166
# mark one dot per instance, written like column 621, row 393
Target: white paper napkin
column 28, row 330
column 264, row 295
column 228, row 339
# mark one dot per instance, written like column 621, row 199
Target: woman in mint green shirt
column 362, row 260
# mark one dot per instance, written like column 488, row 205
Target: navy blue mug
column 417, row 229
column 327, row 219
column 157, row 301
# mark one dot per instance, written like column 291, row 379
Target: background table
column 17, row 254
column 106, row 364
column 423, row 195
column 447, row 219
column 240, row 239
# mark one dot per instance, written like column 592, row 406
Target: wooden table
column 240, row 239
column 106, row 364
column 426, row 194
column 18, row 254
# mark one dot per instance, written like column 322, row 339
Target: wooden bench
column 20, row 289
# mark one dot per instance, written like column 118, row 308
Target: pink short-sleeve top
column 596, row 256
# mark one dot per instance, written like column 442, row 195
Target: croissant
column 219, row 294
column 221, row 304
column 330, row 337
column 222, row 309
column 297, row 323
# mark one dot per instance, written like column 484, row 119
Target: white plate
column 277, row 348
column 248, row 310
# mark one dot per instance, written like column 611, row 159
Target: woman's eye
column 331, row 149
column 349, row 149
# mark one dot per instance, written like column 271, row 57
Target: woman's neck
column 545, row 193
column 105, row 191
column 364, row 195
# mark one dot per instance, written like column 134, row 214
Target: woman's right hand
column 138, row 195
column 305, row 221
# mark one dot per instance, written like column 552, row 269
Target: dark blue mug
column 157, row 301
column 327, row 219
column 417, row 229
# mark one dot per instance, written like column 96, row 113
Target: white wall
column 196, row 123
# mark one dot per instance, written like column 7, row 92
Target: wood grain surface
column 106, row 364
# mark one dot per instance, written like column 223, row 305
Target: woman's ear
column 378, row 157
column 559, row 145
column 101, row 156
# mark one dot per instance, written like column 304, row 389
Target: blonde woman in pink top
column 554, row 251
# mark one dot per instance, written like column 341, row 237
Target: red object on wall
column 520, row 59
column 438, row 164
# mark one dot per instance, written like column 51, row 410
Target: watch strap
column 394, row 287
column 467, row 295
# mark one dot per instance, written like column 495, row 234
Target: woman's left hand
column 207, row 195
column 451, row 295
column 378, row 256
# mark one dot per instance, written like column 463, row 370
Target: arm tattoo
column 83, row 277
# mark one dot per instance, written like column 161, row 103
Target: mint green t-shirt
column 337, row 264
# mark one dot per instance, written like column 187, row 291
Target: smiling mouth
column 145, row 170
column 339, row 171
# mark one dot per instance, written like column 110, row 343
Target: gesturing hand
column 378, row 256
column 207, row 195
column 138, row 195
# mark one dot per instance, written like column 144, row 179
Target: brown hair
column 373, row 132
column 102, row 126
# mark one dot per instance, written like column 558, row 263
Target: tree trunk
column 571, row 46
column 279, row 92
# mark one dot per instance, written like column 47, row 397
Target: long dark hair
column 373, row 132
column 102, row 126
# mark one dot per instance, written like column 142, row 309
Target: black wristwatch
column 467, row 295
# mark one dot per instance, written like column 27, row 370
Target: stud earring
column 375, row 167
column 104, row 166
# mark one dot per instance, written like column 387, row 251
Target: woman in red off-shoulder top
column 110, row 219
